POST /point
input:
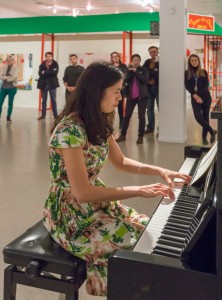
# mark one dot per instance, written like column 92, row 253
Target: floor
column 24, row 176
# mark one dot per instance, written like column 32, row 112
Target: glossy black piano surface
column 181, row 263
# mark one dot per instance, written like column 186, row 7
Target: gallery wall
column 101, row 45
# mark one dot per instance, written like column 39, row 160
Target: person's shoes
column 139, row 140
column 205, row 142
column 121, row 138
column 213, row 136
column 148, row 130
column 41, row 118
column 9, row 120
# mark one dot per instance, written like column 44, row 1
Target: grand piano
column 179, row 254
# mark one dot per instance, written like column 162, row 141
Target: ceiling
column 23, row 8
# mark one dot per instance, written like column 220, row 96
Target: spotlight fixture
column 88, row 7
column 144, row 2
column 75, row 12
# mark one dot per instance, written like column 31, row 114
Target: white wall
column 64, row 45
column 79, row 43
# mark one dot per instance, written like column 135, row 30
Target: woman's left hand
column 169, row 176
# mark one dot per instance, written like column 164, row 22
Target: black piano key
column 165, row 253
column 185, row 207
column 170, row 249
column 178, row 221
column 166, row 242
column 180, row 216
column 174, row 232
column 172, row 237
column 175, row 228
column 183, row 212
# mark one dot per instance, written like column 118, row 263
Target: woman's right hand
column 197, row 98
column 156, row 189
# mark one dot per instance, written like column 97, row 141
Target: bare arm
column 85, row 192
column 132, row 166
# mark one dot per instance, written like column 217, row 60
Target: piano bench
column 36, row 260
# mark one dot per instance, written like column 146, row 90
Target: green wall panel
column 95, row 23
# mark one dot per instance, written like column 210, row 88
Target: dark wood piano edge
column 129, row 272
column 154, row 260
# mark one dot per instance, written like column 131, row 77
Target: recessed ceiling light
column 89, row 7
column 75, row 12
column 144, row 3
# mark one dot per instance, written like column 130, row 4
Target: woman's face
column 115, row 58
column 194, row 61
column 136, row 62
column 111, row 97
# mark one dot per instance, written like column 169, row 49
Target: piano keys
column 184, row 206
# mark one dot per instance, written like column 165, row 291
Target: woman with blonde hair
column 197, row 84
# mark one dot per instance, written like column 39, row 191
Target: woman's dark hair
column 135, row 55
column 200, row 72
column 86, row 100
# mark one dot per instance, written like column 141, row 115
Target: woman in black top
column 116, row 61
column 197, row 84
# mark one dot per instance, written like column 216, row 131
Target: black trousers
column 201, row 113
column 130, row 105
column 120, row 112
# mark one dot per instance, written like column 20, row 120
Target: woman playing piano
column 197, row 84
column 83, row 215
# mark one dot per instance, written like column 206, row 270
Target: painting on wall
column 86, row 58
column 24, row 62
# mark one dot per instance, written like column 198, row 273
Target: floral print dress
column 91, row 231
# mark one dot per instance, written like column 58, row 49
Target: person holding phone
column 197, row 84
column 138, row 94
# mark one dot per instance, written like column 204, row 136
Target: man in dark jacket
column 137, row 93
column 48, row 82
column 152, row 65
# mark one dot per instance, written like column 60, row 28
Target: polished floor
column 24, row 176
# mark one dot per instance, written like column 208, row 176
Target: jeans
column 150, row 106
column 201, row 114
column 130, row 105
column 52, row 93
column 11, row 94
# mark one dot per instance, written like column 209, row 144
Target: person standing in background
column 136, row 82
column 116, row 61
column 152, row 65
column 71, row 75
column 48, row 82
column 197, row 84
column 8, row 75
